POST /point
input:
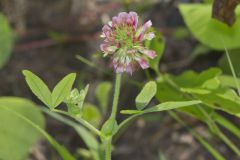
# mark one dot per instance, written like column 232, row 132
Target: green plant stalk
column 116, row 96
column 229, row 143
column 86, row 61
column 212, row 150
column 108, row 141
column 82, row 121
column 233, row 71
column 108, row 151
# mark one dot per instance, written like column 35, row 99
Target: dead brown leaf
column 224, row 10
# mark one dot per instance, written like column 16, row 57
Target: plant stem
column 82, row 121
column 233, row 71
column 116, row 96
column 108, row 141
column 229, row 143
column 108, row 151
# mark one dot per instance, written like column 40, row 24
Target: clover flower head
column 124, row 42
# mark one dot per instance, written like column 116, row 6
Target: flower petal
column 106, row 31
column 149, row 36
column 123, row 16
column 104, row 47
column 133, row 19
column 142, row 30
column 150, row 53
column 143, row 63
column 120, row 68
column 108, row 49
column 147, row 25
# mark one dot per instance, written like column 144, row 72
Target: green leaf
column 110, row 127
column 204, row 111
column 190, row 79
column 62, row 89
column 102, row 94
column 131, row 111
column 209, row 31
column 217, row 97
column 228, row 81
column 171, row 105
column 168, row 93
column 91, row 114
column 38, row 87
column 146, row 94
column 195, row 90
column 16, row 136
column 75, row 101
column 223, row 99
column 158, row 45
column 88, row 138
column 211, row 84
column 163, row 107
column 6, row 40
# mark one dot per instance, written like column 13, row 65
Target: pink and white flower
column 124, row 42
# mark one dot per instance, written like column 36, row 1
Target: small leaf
column 102, row 93
column 130, row 111
column 207, row 75
column 146, row 94
column 91, row 114
column 195, row 90
column 38, row 87
column 163, row 107
column 190, row 79
column 110, row 127
column 6, row 40
column 229, row 81
column 211, row 84
column 171, row 105
column 62, row 89
column 222, row 99
column 75, row 101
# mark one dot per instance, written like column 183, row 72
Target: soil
column 39, row 26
